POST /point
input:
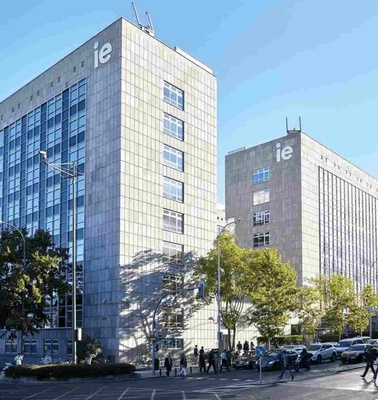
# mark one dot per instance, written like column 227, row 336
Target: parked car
column 244, row 362
column 366, row 339
column 322, row 351
column 271, row 360
column 296, row 347
column 373, row 342
column 354, row 354
column 344, row 345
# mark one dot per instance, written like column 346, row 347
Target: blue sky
column 273, row 59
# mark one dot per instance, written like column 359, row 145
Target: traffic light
column 201, row 290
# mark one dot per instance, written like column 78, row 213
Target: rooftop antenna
column 290, row 131
column 145, row 28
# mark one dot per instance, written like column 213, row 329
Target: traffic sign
column 260, row 351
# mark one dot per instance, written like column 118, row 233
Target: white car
column 322, row 351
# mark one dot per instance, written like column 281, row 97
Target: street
column 323, row 381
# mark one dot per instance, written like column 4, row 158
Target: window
column 260, row 175
column 172, row 253
column 30, row 346
column 173, row 343
column 173, row 95
column 260, row 197
column 173, row 127
column 69, row 347
column 173, row 190
column 172, row 283
column 11, row 345
column 261, row 218
column 51, row 347
column 261, row 239
column 173, row 221
column 173, row 158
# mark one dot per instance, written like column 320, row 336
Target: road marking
column 36, row 394
column 94, row 394
column 153, row 395
column 62, row 395
column 216, row 396
column 183, row 395
column 252, row 397
column 16, row 391
column 120, row 397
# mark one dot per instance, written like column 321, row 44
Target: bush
column 329, row 337
column 282, row 340
column 65, row 371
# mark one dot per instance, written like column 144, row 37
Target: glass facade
column 38, row 197
column 348, row 230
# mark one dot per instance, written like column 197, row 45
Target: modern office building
column 315, row 207
column 139, row 120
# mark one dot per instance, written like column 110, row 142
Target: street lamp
column 219, row 281
column 69, row 170
column 24, row 267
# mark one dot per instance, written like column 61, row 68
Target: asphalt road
column 235, row 385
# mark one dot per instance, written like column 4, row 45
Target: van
column 344, row 344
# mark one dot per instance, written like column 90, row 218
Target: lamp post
column 219, row 281
column 24, row 267
column 69, row 170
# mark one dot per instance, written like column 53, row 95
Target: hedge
column 282, row 340
column 64, row 371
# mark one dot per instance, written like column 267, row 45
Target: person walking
column 195, row 353
column 211, row 362
column 285, row 364
column 183, row 365
column 168, row 362
column 18, row 359
column 202, row 364
column 224, row 360
column 246, row 347
column 239, row 346
column 370, row 357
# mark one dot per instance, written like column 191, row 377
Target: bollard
column 175, row 371
column 160, row 371
column 190, row 369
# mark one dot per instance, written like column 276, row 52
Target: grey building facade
column 139, row 119
column 315, row 207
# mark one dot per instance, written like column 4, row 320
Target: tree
column 338, row 297
column 309, row 312
column 360, row 309
column 233, row 283
column 25, row 284
column 273, row 290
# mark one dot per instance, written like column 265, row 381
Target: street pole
column 375, row 291
column 24, row 268
column 219, row 284
column 70, row 170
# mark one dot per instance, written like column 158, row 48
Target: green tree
column 25, row 284
column 338, row 296
column 361, row 309
column 273, row 291
column 233, row 264
column 309, row 311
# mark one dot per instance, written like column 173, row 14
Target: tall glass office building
column 315, row 207
column 139, row 120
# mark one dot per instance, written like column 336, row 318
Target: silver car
column 322, row 351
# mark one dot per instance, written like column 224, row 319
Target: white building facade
column 139, row 119
column 315, row 207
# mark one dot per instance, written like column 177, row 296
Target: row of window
column 50, row 346
column 261, row 239
column 260, row 175
column 174, row 190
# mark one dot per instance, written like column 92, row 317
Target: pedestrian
column 224, row 360
column 252, row 346
column 183, row 365
column 370, row 357
column 195, row 353
column 202, row 364
column 211, row 362
column 168, row 364
column 285, row 364
column 246, row 347
column 239, row 346
column 18, row 359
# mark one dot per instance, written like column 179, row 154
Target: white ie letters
column 285, row 153
column 103, row 54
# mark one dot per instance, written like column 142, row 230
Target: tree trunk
column 229, row 338
column 233, row 338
